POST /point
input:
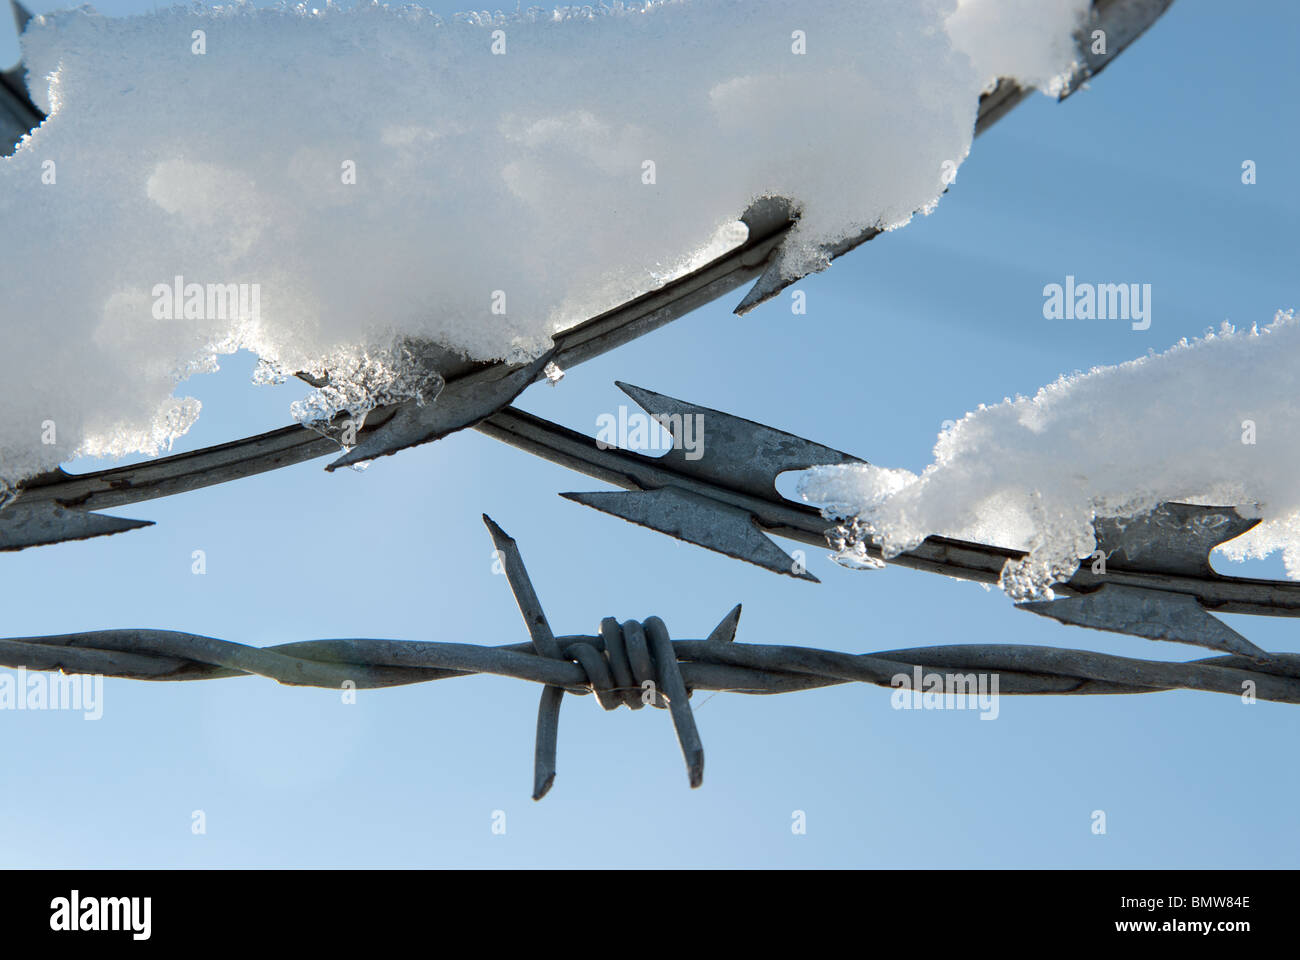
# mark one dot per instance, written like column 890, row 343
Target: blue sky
column 1134, row 180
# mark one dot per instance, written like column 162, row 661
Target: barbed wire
column 636, row 664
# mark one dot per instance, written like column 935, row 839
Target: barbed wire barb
column 637, row 663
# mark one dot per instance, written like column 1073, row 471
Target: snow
column 374, row 181
column 1214, row 421
column 1030, row 40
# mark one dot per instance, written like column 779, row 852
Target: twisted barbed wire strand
column 631, row 664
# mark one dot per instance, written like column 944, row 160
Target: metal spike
column 769, row 284
column 698, row 520
column 767, row 215
column 461, row 403
column 544, row 642
column 1121, row 23
column 22, row 16
column 774, row 279
column 725, row 631
column 18, row 114
column 1154, row 614
column 670, row 678
column 744, row 455
column 43, row 522
column 548, row 735
column 1174, row 538
column 521, row 585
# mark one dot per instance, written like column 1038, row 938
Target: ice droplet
column 354, row 382
column 858, row 559
column 849, row 541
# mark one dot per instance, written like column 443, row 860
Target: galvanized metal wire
column 632, row 664
column 729, row 505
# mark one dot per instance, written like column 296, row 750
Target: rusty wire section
column 633, row 664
